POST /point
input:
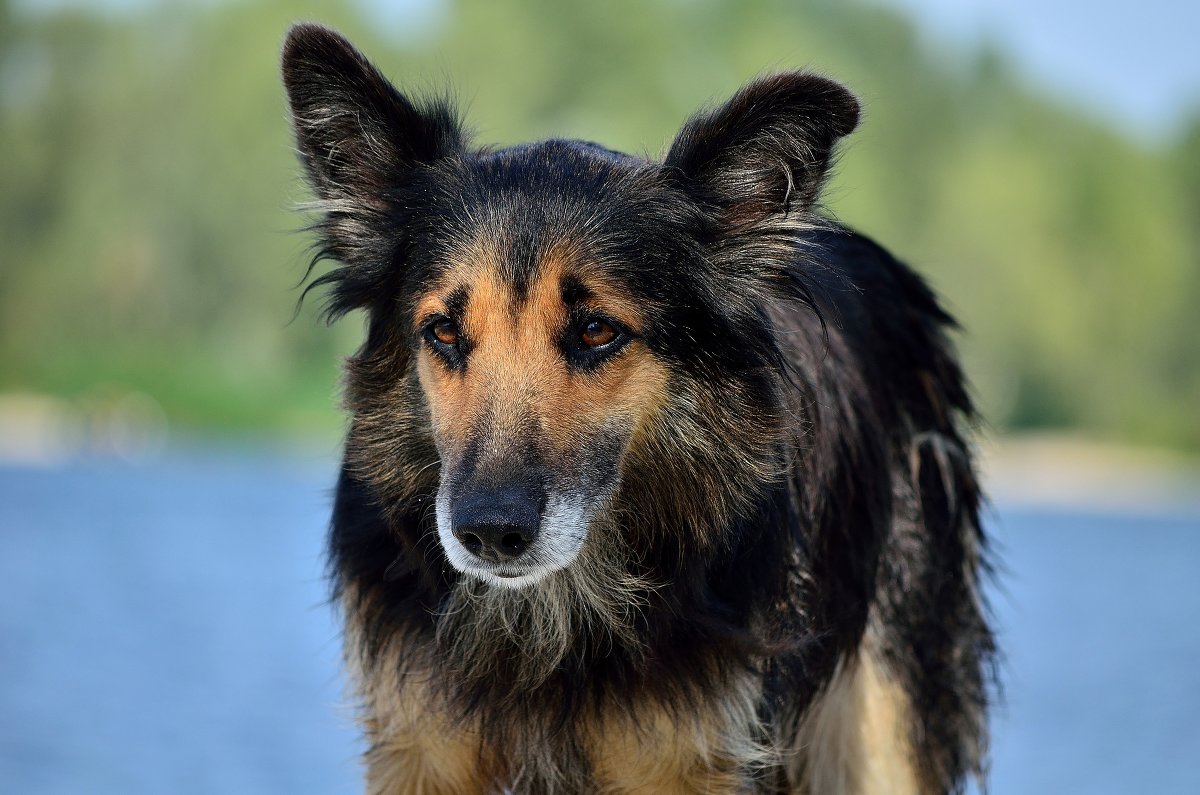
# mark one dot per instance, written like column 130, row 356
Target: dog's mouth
column 508, row 579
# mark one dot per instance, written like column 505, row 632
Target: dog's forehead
column 551, row 211
column 550, row 185
column 577, row 159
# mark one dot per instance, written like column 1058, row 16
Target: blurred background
column 169, row 433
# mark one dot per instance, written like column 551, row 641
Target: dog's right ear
column 357, row 134
column 360, row 141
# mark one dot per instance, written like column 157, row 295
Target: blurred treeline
column 148, row 244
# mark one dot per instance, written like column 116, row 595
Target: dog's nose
column 495, row 542
column 497, row 524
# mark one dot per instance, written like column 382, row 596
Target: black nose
column 497, row 524
column 495, row 542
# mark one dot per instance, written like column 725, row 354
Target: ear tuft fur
column 352, row 126
column 362, row 144
column 767, row 149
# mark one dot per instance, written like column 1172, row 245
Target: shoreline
column 1044, row 470
column 1060, row 470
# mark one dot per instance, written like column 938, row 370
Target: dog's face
column 533, row 361
column 560, row 325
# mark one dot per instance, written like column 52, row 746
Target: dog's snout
column 497, row 525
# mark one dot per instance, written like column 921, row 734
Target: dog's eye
column 591, row 340
column 445, row 331
column 596, row 333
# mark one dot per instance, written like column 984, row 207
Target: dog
column 657, row 480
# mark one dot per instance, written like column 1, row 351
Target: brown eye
column 597, row 333
column 445, row 331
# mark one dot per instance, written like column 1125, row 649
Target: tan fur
column 854, row 739
column 517, row 374
column 424, row 762
column 413, row 748
column 709, row 750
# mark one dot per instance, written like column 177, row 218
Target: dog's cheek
column 601, row 469
column 617, row 406
column 444, row 395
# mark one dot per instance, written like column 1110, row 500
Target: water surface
column 164, row 629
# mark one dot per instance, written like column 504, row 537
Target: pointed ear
column 766, row 151
column 356, row 133
column 362, row 143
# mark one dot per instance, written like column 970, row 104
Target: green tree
column 147, row 183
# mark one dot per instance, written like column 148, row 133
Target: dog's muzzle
column 511, row 536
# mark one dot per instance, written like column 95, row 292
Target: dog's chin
column 541, row 562
column 511, row 578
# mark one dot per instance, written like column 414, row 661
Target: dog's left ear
column 766, row 151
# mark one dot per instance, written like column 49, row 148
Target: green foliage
column 147, row 182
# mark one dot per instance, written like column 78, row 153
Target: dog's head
column 556, row 330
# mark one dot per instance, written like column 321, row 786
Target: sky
column 1137, row 63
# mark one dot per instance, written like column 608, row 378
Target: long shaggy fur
column 778, row 590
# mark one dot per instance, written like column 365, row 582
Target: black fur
column 833, row 489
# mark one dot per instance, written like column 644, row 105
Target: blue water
column 163, row 629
